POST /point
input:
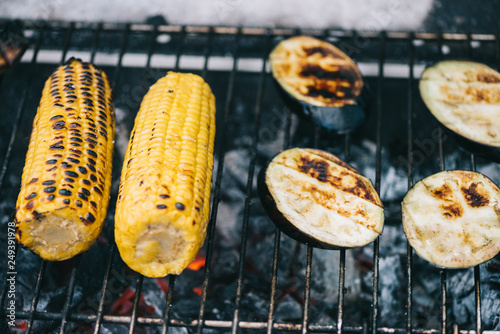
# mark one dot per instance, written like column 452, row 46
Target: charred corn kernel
column 164, row 198
column 66, row 180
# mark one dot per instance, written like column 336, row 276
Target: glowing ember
column 22, row 325
column 124, row 304
column 198, row 262
column 198, row 290
column 162, row 284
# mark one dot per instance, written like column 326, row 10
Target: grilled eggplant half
column 317, row 199
column 464, row 96
column 323, row 79
column 452, row 218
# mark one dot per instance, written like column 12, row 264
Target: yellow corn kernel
column 66, row 180
column 164, row 198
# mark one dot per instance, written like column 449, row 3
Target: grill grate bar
column 249, row 188
column 95, row 42
column 443, row 301
column 36, row 296
column 71, row 290
column 182, row 35
column 477, row 296
column 307, row 292
column 277, row 236
column 123, row 48
column 378, row 173
column 227, row 324
column 442, row 272
column 497, row 47
column 208, row 52
column 274, row 279
column 477, row 273
column 100, row 310
column 340, row 313
column 137, row 298
column 409, row 250
column 217, row 192
column 151, row 50
column 340, row 310
column 172, row 278
column 378, row 160
column 67, row 40
column 168, row 306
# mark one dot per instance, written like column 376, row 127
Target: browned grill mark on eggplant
column 487, row 78
column 324, row 52
column 452, row 210
column 473, row 197
column 320, row 170
column 445, row 192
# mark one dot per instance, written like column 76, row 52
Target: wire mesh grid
column 238, row 58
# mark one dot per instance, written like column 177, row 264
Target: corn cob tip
column 160, row 249
column 55, row 238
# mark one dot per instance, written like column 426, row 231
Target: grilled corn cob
column 164, row 198
column 66, row 180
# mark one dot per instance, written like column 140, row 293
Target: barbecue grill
column 250, row 277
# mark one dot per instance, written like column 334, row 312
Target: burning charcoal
column 325, row 275
column 154, row 297
column 289, row 309
column 181, row 330
column 490, row 297
column 461, row 292
column 225, row 264
column 256, row 305
column 391, row 288
column 392, row 241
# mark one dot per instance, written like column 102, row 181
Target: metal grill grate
column 234, row 62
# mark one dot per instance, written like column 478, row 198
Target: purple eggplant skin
column 488, row 152
column 279, row 219
column 343, row 119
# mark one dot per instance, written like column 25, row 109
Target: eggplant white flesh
column 452, row 218
column 464, row 97
column 323, row 79
column 317, row 199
